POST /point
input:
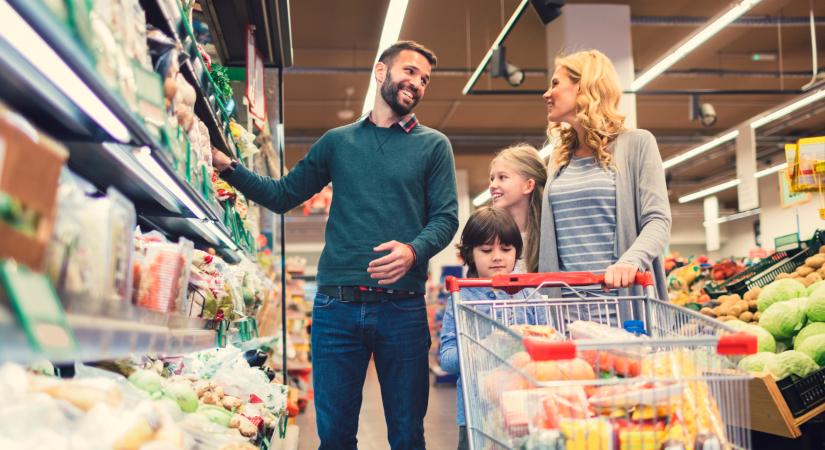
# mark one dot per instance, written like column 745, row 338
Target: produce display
column 220, row 402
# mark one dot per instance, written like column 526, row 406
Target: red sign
column 254, row 78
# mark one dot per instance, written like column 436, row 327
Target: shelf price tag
column 39, row 311
column 255, row 79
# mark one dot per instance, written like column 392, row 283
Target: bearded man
column 394, row 208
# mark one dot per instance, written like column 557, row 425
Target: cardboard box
column 30, row 166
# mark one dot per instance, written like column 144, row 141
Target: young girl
column 490, row 245
column 517, row 179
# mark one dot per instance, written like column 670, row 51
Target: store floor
column 440, row 430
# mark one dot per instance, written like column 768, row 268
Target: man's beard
column 389, row 92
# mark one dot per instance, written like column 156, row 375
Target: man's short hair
column 392, row 51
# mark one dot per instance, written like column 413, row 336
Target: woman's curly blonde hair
column 596, row 107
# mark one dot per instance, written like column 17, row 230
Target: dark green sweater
column 387, row 185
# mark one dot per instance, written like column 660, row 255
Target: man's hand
column 220, row 160
column 620, row 275
column 390, row 268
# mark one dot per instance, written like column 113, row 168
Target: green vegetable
column 736, row 324
column 147, row 380
column 221, row 79
column 812, row 329
column 756, row 362
column 814, row 346
column 764, row 339
column 816, row 306
column 215, row 414
column 783, row 345
column 183, row 395
column 780, row 291
column 789, row 363
column 783, row 319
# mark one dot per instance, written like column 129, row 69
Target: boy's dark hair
column 392, row 51
column 484, row 226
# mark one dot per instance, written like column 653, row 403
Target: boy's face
column 494, row 259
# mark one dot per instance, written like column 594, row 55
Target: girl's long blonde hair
column 596, row 107
column 525, row 159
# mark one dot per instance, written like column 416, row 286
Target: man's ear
column 380, row 72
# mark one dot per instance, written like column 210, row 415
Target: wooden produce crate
column 769, row 412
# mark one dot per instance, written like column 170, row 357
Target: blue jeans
column 344, row 336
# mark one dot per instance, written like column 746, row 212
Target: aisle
column 440, row 430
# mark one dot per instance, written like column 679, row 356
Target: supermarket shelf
column 138, row 166
column 107, row 338
column 157, row 15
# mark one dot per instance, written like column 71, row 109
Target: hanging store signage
column 254, row 78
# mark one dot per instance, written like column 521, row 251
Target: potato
column 804, row 271
column 782, row 276
column 736, row 297
column 756, row 291
column 743, row 305
column 815, row 262
column 813, row 278
column 822, row 250
column 757, row 315
column 821, row 272
column 723, row 309
column 734, row 311
column 717, row 311
column 753, row 305
column 708, row 312
column 749, row 295
column 746, row 316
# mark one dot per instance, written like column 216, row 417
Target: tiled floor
column 440, row 429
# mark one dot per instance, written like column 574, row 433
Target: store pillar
column 748, row 189
column 602, row 27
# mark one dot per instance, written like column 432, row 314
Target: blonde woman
column 606, row 207
column 517, row 178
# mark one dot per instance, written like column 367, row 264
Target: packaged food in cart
column 666, row 379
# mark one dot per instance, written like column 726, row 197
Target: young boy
column 490, row 245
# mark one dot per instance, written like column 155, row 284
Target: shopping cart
column 559, row 373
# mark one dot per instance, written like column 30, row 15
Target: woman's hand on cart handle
column 620, row 275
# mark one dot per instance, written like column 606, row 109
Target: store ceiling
column 335, row 44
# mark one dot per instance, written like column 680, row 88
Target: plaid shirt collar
column 407, row 123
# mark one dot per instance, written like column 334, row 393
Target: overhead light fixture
column 713, row 26
column 17, row 32
column 698, row 150
column 496, row 44
column 144, row 157
column 711, row 190
column 729, row 184
column 785, row 110
column 770, row 170
column 705, row 113
column 500, row 68
column 389, row 35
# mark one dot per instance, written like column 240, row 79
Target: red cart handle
column 516, row 282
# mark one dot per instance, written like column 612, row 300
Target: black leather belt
column 365, row 294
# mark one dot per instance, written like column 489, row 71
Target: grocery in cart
column 597, row 370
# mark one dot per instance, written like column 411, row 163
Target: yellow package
column 589, row 434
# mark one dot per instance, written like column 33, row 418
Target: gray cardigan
column 642, row 210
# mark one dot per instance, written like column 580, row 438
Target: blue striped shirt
column 583, row 199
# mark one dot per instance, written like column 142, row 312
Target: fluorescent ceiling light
column 785, row 110
column 714, row 25
column 770, row 170
column 389, row 35
column 504, row 31
column 696, row 151
column 729, row 184
column 711, row 190
column 17, row 32
column 144, row 157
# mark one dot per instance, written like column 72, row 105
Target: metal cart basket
column 595, row 370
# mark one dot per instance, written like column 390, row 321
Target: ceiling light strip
column 501, row 36
column 17, row 32
column 783, row 111
column 698, row 150
column 713, row 26
column 389, row 35
column 729, row 184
